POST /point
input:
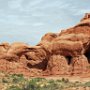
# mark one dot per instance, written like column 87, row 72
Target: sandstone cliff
column 64, row 53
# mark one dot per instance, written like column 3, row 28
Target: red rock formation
column 49, row 37
column 58, row 65
column 64, row 53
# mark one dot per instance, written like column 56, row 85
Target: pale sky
column 28, row 20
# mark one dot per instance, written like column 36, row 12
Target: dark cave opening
column 42, row 65
column 69, row 59
column 87, row 54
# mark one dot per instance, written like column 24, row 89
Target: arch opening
column 69, row 59
column 87, row 54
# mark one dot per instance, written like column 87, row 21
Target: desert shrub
column 53, row 85
column 30, row 86
column 77, row 84
column 14, row 88
column 59, row 80
column 51, row 81
column 65, row 80
column 87, row 84
column 38, row 79
column 17, row 78
column 41, row 84
column 6, row 80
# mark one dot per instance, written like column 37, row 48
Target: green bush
column 43, row 85
column 31, row 85
column 87, row 84
column 6, row 80
column 17, row 78
column 59, row 80
column 65, row 80
column 54, row 85
column 14, row 88
column 37, row 79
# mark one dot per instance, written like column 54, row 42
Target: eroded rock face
column 79, row 64
column 49, row 37
column 58, row 64
column 14, row 51
column 64, row 53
